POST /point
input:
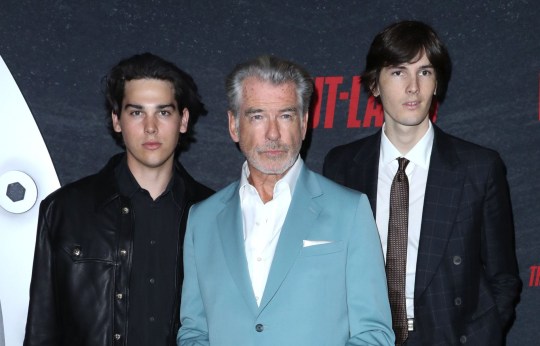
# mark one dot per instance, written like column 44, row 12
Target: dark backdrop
column 58, row 52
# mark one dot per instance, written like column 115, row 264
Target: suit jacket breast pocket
column 323, row 249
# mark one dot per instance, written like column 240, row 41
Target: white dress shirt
column 262, row 223
column 417, row 173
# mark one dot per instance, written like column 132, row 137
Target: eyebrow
column 258, row 110
column 289, row 109
column 402, row 66
column 253, row 111
column 131, row 105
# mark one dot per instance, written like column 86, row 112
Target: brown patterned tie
column 396, row 254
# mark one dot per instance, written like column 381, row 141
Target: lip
column 412, row 105
column 151, row 145
column 273, row 152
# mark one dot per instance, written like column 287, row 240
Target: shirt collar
column 420, row 154
column 288, row 181
column 128, row 185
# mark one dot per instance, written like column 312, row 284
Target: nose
column 413, row 87
column 150, row 124
column 272, row 132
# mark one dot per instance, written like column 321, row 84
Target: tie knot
column 403, row 162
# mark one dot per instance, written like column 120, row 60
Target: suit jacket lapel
column 363, row 175
column 443, row 193
column 301, row 217
column 231, row 233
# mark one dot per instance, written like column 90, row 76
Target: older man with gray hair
column 282, row 256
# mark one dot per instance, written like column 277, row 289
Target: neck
column 404, row 138
column 264, row 183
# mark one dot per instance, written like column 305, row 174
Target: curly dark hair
column 150, row 66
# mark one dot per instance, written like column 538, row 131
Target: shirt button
column 457, row 301
column 119, row 296
column 456, row 260
column 152, row 281
column 152, row 319
column 123, row 252
column 125, row 210
column 259, row 327
column 117, row 336
column 259, row 259
column 463, row 339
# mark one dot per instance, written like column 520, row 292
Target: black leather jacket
column 82, row 262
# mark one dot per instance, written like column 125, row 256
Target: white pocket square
column 315, row 242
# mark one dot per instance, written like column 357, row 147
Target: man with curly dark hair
column 108, row 259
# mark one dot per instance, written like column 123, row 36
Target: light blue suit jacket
column 329, row 295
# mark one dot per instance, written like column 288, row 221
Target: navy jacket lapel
column 363, row 175
column 443, row 193
column 231, row 233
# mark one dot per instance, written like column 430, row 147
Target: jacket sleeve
column 194, row 329
column 41, row 326
column 370, row 318
column 498, row 249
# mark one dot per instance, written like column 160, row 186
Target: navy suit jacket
column 467, row 278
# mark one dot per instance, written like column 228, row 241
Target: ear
column 116, row 122
column 375, row 90
column 184, row 120
column 233, row 130
column 304, row 124
column 435, row 92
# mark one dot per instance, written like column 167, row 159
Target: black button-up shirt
column 151, row 292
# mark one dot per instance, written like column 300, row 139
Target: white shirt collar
column 420, row 154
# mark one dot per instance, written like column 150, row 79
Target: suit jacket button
column 259, row 327
column 457, row 260
column 457, row 301
column 463, row 339
column 117, row 337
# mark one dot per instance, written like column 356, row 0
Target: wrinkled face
column 150, row 123
column 270, row 126
column 406, row 92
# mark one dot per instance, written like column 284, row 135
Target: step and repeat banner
column 53, row 128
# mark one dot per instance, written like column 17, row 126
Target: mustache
column 273, row 145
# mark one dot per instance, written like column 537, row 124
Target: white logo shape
column 18, row 192
column 27, row 176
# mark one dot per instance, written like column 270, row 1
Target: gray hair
column 273, row 70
